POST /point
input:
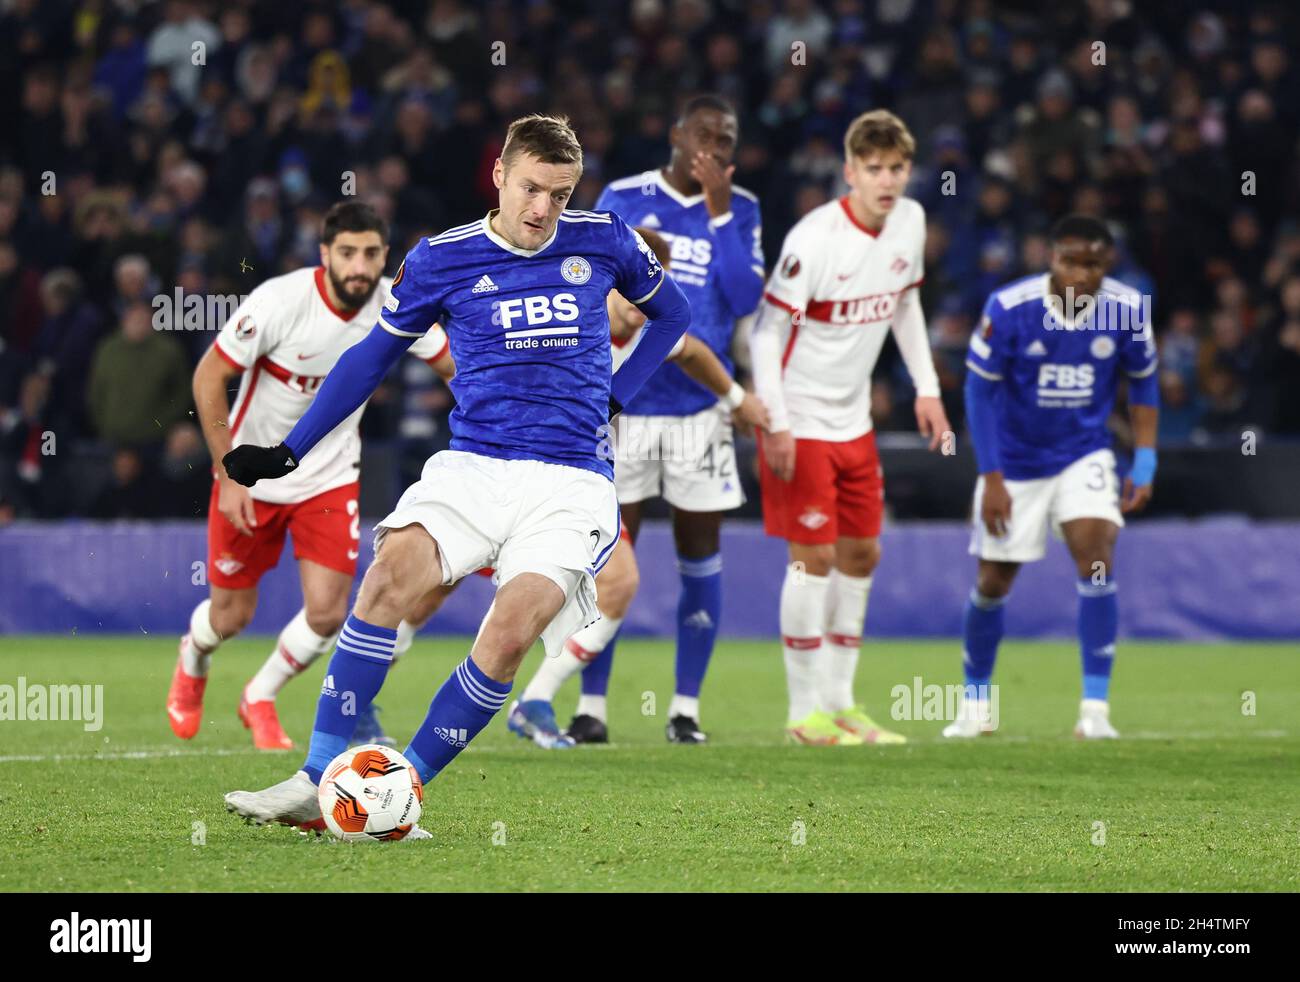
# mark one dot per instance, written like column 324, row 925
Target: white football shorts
column 690, row 460
column 1088, row 488
column 517, row 516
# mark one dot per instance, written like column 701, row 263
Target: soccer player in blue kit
column 525, row 487
column 1044, row 364
column 713, row 228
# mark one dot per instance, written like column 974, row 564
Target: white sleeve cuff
column 721, row 220
column 734, row 397
column 641, row 300
column 982, row 372
column 401, row 334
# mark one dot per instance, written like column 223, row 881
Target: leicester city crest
column 1102, row 347
column 576, row 270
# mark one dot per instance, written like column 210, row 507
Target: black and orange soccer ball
column 370, row 794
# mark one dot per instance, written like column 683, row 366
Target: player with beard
column 282, row 341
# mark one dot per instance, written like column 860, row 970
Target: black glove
column 247, row 465
column 614, row 408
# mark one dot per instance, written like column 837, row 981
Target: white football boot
column 972, row 720
column 291, row 802
column 1094, row 721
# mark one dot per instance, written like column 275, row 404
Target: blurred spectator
column 800, row 28
column 133, row 282
column 1056, row 128
column 1283, row 358
column 20, row 300
column 122, row 68
column 1181, row 408
column 130, row 492
column 69, row 334
column 139, row 382
column 184, row 475
column 172, row 46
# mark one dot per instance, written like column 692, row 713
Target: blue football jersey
column 697, row 244
column 528, row 329
column 1058, row 377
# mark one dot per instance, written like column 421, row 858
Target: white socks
column 591, row 706
column 579, row 650
column 846, row 612
column 553, row 672
column 405, row 638
column 594, row 637
column 297, row 647
column 803, row 619
column 196, row 657
column 685, row 706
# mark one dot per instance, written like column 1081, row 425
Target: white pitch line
column 156, row 754
column 128, row 755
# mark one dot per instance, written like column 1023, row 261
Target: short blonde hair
column 548, row 138
column 878, row 130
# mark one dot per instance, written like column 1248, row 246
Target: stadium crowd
column 150, row 147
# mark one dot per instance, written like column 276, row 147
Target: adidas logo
column 484, row 285
column 1036, row 350
column 327, row 687
column 700, row 620
column 457, row 738
column 651, row 221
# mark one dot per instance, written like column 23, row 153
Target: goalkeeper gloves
column 247, row 465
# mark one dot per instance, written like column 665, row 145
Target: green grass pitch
column 1199, row 795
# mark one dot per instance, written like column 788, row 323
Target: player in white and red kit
column 282, row 340
column 847, row 276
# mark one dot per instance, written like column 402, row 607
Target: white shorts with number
column 516, row 516
column 690, row 460
column 1088, row 488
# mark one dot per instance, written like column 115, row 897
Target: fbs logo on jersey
column 1065, row 386
column 563, row 307
column 576, row 270
column 684, row 249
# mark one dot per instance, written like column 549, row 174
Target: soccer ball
column 370, row 794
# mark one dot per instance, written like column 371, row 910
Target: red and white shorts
column 838, row 491
column 326, row 529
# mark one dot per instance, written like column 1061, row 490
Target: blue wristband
column 1143, row 471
